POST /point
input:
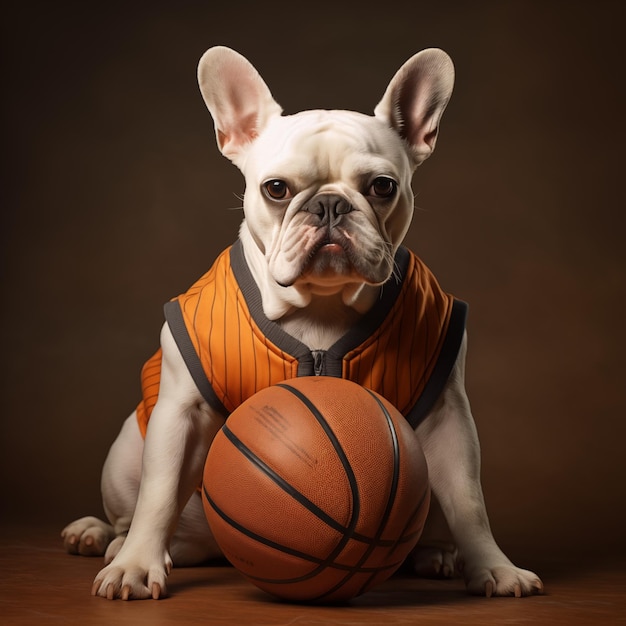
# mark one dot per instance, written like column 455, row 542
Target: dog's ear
column 416, row 98
column 237, row 98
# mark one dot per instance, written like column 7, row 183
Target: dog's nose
column 328, row 207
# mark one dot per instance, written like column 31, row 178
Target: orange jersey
column 404, row 348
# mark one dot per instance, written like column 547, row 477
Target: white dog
column 318, row 283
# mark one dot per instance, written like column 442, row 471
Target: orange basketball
column 316, row 489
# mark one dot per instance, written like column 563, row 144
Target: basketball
column 316, row 489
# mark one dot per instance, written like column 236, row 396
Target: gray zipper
column 319, row 365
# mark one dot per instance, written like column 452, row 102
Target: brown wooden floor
column 40, row 584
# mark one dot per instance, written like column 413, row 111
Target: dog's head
column 328, row 195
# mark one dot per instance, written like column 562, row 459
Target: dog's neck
column 315, row 316
column 320, row 324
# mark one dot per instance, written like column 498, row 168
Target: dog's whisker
column 395, row 273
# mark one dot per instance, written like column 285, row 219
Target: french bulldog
column 318, row 266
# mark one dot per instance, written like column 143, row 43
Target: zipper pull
column 318, row 361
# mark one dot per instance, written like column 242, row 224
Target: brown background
column 114, row 199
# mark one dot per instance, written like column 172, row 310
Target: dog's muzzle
column 329, row 208
column 331, row 242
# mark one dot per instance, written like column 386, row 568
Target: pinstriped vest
column 404, row 348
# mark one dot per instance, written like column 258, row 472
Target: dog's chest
column 313, row 333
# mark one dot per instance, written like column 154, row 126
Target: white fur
column 319, row 269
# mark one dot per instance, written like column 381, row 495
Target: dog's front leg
column 450, row 442
column 180, row 431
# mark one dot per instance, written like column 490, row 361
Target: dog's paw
column 114, row 547
column 133, row 579
column 87, row 536
column 434, row 561
column 502, row 580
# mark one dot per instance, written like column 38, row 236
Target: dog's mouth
column 328, row 247
column 327, row 260
column 332, row 256
column 328, row 255
column 336, row 260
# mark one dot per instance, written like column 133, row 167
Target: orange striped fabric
column 400, row 356
column 150, row 383
column 237, row 358
column 223, row 335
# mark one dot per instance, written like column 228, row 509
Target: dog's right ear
column 237, row 97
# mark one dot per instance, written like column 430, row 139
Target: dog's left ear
column 237, row 97
column 416, row 98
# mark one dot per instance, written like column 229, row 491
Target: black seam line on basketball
column 289, row 581
column 356, row 502
column 393, row 490
column 391, row 497
column 410, row 522
column 272, row 544
column 282, row 483
column 337, row 566
column 252, row 535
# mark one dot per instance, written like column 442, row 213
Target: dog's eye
column 383, row 187
column 276, row 189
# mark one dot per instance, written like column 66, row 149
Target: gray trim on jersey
column 176, row 322
column 270, row 329
column 444, row 366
